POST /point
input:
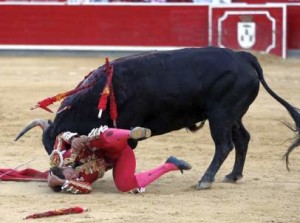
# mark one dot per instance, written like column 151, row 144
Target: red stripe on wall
column 293, row 27
column 104, row 25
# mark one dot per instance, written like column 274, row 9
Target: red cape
column 23, row 175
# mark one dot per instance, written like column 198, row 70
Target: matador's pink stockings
column 145, row 178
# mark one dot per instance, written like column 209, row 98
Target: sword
column 14, row 169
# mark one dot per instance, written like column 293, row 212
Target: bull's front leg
column 221, row 134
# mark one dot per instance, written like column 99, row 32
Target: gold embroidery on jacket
column 91, row 164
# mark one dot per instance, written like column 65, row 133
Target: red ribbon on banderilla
column 50, row 100
column 108, row 92
column 63, row 211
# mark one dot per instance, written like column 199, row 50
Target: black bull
column 167, row 91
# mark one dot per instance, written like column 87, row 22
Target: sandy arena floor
column 267, row 193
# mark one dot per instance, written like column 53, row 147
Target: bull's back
column 171, row 90
column 181, row 72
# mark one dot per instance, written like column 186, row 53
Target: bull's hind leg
column 241, row 139
column 221, row 133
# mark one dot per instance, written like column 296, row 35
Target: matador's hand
column 54, row 180
column 79, row 143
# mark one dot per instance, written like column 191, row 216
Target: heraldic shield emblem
column 246, row 34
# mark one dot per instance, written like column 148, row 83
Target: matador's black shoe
column 181, row 164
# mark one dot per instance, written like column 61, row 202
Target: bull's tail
column 293, row 111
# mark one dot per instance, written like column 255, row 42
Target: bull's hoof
column 203, row 185
column 232, row 179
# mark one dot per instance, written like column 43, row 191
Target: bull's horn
column 37, row 122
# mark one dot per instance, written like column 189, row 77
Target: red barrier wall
column 63, row 26
column 293, row 27
column 104, row 25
